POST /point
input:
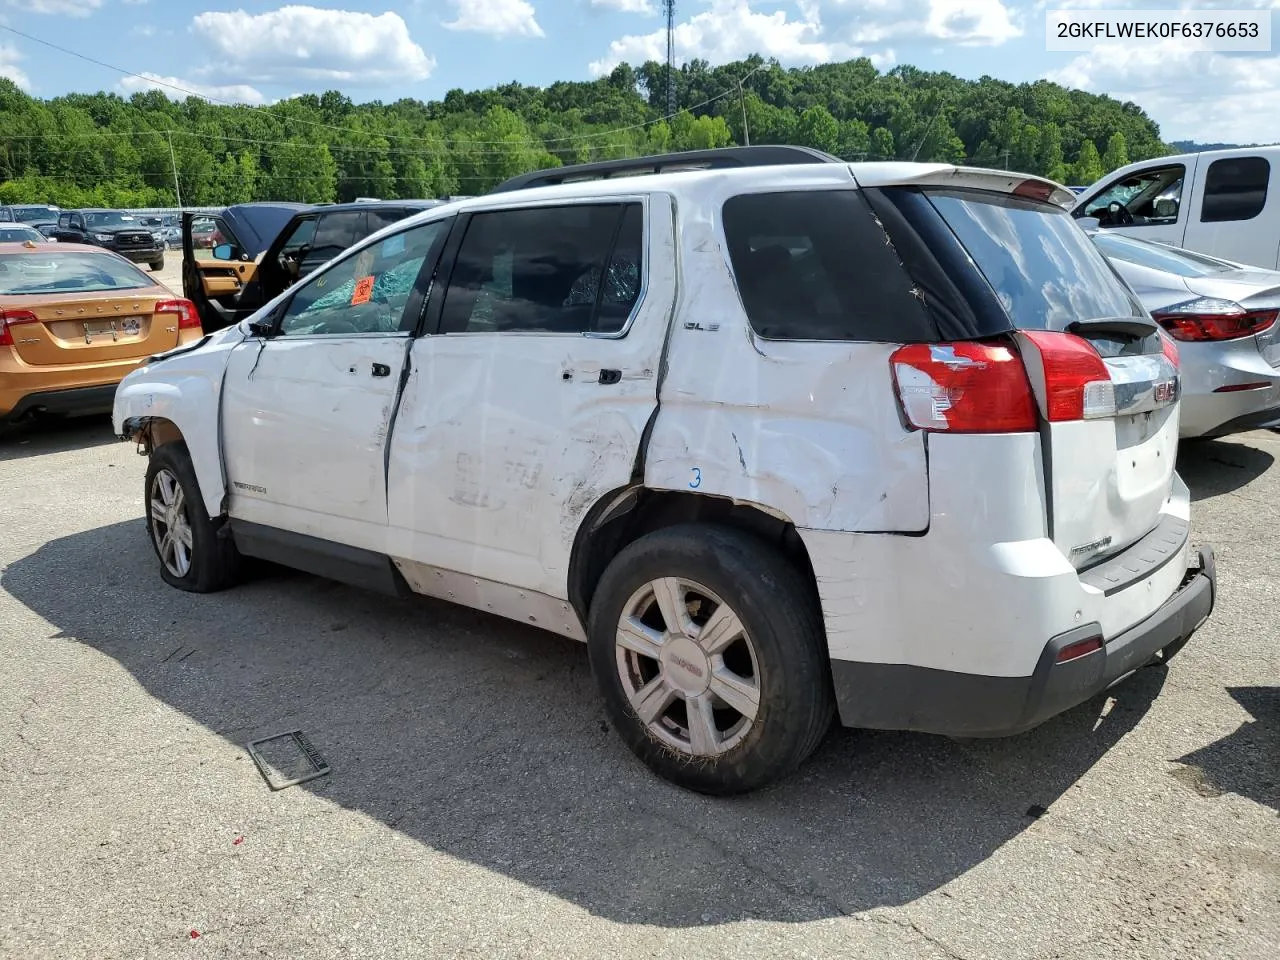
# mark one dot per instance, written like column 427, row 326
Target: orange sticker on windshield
column 363, row 292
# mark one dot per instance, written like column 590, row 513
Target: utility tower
column 669, row 8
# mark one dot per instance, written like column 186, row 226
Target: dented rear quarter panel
column 808, row 431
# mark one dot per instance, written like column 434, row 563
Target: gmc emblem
column 1166, row 391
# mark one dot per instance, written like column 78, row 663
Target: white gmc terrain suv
column 779, row 438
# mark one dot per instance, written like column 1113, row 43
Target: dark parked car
column 115, row 230
column 264, row 248
column 32, row 213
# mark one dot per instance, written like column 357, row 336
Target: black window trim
column 407, row 329
column 1266, row 188
column 434, row 313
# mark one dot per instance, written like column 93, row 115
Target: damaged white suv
column 779, row 438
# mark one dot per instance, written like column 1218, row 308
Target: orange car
column 74, row 320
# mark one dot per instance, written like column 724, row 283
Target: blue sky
column 258, row 51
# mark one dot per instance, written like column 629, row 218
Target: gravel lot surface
column 479, row 806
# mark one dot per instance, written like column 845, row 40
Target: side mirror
column 223, row 251
column 261, row 328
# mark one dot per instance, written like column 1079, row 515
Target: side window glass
column 1235, row 188
column 380, row 217
column 295, row 247
column 1151, row 197
column 365, row 292
column 336, row 232
column 814, row 265
column 540, row 270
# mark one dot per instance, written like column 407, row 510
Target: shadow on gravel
column 1248, row 761
column 486, row 740
column 1214, row 467
column 34, row 438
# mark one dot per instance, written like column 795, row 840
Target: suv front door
column 531, row 390
column 309, row 402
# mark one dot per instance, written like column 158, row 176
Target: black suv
column 117, row 231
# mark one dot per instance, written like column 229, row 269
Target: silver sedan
column 1223, row 316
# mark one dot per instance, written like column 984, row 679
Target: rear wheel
column 192, row 555
column 709, row 649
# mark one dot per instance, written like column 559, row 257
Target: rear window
column 1235, row 188
column 67, row 272
column 1157, row 256
column 19, row 234
column 815, row 265
column 1042, row 267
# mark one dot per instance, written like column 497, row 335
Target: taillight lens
column 11, row 318
column 1209, row 318
column 1077, row 384
column 1170, row 350
column 975, row 387
column 188, row 318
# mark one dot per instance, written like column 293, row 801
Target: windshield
column 34, row 214
column 109, row 219
column 1037, row 260
column 19, row 235
column 54, row 271
column 1158, row 256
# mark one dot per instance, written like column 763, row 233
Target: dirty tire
column 780, row 612
column 215, row 563
column 157, row 265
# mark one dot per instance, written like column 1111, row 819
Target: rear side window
column 816, row 265
column 541, row 270
column 1235, row 188
column 1041, row 266
column 380, row 217
column 336, row 232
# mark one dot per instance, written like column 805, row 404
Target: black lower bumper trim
column 81, row 401
column 885, row 696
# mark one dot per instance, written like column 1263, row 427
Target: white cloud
column 627, row 6
column 965, row 22
column 176, row 88
column 497, row 18
column 1190, row 92
column 299, row 42
column 731, row 30
column 9, row 57
column 62, row 8
column 818, row 32
column 134, row 3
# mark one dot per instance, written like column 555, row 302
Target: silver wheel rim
column 170, row 525
column 688, row 667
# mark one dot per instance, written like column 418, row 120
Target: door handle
column 610, row 376
column 381, row 370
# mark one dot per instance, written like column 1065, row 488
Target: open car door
column 222, row 255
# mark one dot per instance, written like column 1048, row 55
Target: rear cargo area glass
column 1042, row 266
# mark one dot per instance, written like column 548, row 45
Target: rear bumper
column 1208, row 410
column 74, row 401
column 927, row 700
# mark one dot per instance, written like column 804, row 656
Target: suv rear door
column 1101, row 371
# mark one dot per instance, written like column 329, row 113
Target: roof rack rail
column 762, row 156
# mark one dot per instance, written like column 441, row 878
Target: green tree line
column 104, row 149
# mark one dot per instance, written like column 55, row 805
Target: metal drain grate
column 287, row 759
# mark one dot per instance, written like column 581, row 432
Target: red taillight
column 963, row 388
column 1081, row 648
column 11, row 318
column 1170, row 350
column 1210, row 319
column 188, row 318
column 1077, row 384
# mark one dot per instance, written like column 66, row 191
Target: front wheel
column 192, row 555
column 709, row 650
column 157, row 265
